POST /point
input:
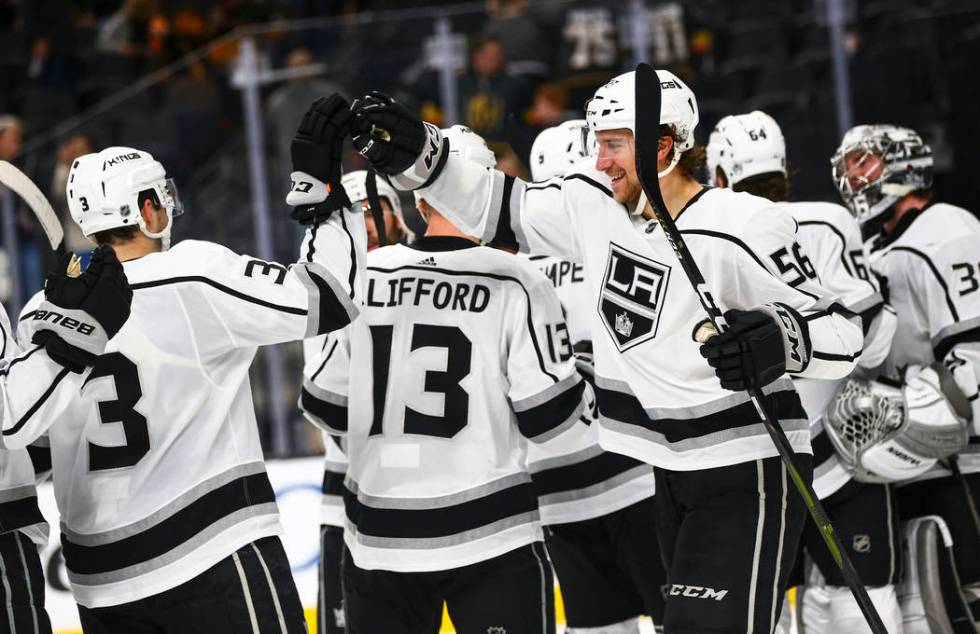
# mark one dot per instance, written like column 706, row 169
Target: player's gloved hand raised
column 387, row 133
column 82, row 310
column 758, row 347
column 316, row 150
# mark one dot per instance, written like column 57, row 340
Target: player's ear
column 151, row 215
column 665, row 145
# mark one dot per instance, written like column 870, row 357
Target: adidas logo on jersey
column 633, row 290
column 429, row 261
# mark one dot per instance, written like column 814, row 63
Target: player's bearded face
column 392, row 228
column 617, row 160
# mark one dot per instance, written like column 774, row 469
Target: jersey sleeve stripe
column 549, row 419
column 188, row 279
column 152, row 547
column 40, row 458
column 20, row 513
column 589, row 472
column 326, row 360
column 495, row 213
column 24, row 357
column 827, row 356
column 744, row 247
column 325, row 409
column 330, row 307
column 935, row 272
column 352, row 275
column 333, row 482
column 504, row 214
column 965, row 331
column 37, row 404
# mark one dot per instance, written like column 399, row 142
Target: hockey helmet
column 745, row 145
column 556, row 149
column 355, row 184
column 876, row 165
column 613, row 107
column 103, row 191
column 469, row 145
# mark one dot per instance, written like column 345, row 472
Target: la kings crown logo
column 633, row 290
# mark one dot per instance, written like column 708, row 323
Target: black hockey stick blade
column 377, row 211
column 647, row 142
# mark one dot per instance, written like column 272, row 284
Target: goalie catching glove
column 758, row 347
column 886, row 433
column 317, row 149
column 397, row 142
column 82, row 311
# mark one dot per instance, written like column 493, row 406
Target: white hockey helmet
column 557, row 148
column 906, row 166
column 103, row 191
column 469, row 145
column 355, row 184
column 745, row 145
column 613, row 107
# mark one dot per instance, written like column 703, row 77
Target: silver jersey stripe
column 563, row 461
column 183, row 550
column 547, row 394
column 695, row 411
column 493, row 213
column 530, row 518
column 304, row 272
column 181, row 502
column 324, row 395
column 334, row 467
column 594, row 490
column 438, row 502
column 955, row 329
column 17, row 493
column 516, row 209
column 864, row 304
column 565, row 425
column 707, row 440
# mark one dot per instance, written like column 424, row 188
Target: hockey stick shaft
column 647, row 146
column 971, row 503
column 24, row 187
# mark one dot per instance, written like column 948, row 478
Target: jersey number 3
column 128, row 392
column 459, row 351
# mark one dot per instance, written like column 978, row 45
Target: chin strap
column 642, row 202
column 163, row 234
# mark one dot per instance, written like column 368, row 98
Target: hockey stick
column 24, row 187
column 647, row 145
column 954, row 466
column 377, row 212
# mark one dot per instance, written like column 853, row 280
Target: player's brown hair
column 692, row 160
column 773, row 186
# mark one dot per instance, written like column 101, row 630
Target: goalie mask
column 888, row 434
column 104, row 188
column 557, row 149
column 613, row 107
column 876, row 165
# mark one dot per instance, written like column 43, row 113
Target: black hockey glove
column 317, row 150
column 387, row 133
column 81, row 312
column 758, row 347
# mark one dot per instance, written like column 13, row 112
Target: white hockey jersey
column 659, row 401
column 932, row 263
column 436, row 389
column 158, row 469
column 18, row 497
column 574, row 478
column 834, row 254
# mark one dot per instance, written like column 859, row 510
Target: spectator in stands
column 126, row 31
column 11, row 136
column 526, row 43
column 488, row 94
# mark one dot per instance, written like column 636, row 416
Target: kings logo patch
column 633, row 291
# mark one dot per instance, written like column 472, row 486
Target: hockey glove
column 758, row 347
column 392, row 137
column 317, row 149
column 81, row 312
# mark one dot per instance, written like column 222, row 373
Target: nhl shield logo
column 862, row 543
column 633, row 290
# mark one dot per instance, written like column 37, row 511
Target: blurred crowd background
column 214, row 89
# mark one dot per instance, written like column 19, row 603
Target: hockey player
column 168, row 517
column 727, row 520
column 927, row 252
column 456, row 361
column 355, row 184
column 747, row 152
column 81, row 312
column 597, row 506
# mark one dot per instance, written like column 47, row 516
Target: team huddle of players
column 516, row 394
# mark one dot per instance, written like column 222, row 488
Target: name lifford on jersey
column 442, row 295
